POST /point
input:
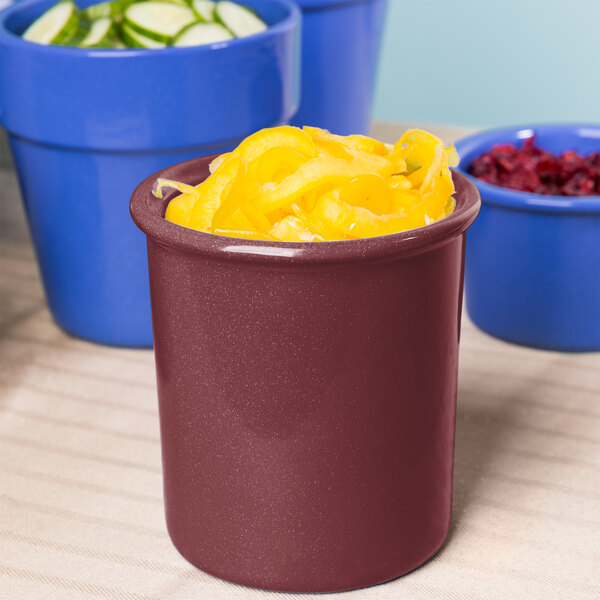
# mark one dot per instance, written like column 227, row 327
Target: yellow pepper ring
column 233, row 197
column 313, row 174
column 210, row 192
column 277, row 163
column 331, row 147
column 261, row 141
column 369, row 190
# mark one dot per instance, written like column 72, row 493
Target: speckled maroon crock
column 307, row 396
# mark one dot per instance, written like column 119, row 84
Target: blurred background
column 482, row 64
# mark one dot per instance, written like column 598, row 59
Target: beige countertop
column 81, row 511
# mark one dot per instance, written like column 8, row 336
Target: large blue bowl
column 532, row 272
column 340, row 51
column 86, row 126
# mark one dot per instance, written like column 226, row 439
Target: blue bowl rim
column 505, row 197
column 291, row 21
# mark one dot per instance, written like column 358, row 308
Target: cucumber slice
column 56, row 26
column 241, row 21
column 204, row 10
column 100, row 34
column 113, row 9
column 102, row 10
column 116, row 43
column 159, row 21
column 200, row 34
column 133, row 39
column 82, row 31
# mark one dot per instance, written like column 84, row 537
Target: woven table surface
column 81, row 512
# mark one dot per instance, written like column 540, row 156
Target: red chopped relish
column 531, row 169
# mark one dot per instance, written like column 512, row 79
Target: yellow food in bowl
column 308, row 185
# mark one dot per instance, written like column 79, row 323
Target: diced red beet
column 579, row 184
column 531, row 169
column 523, row 178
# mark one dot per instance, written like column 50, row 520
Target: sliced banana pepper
column 309, row 185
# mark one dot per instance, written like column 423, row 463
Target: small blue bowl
column 340, row 51
column 86, row 126
column 532, row 271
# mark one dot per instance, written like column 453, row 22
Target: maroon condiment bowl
column 307, row 396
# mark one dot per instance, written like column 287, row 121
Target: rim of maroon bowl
column 148, row 214
column 478, row 143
